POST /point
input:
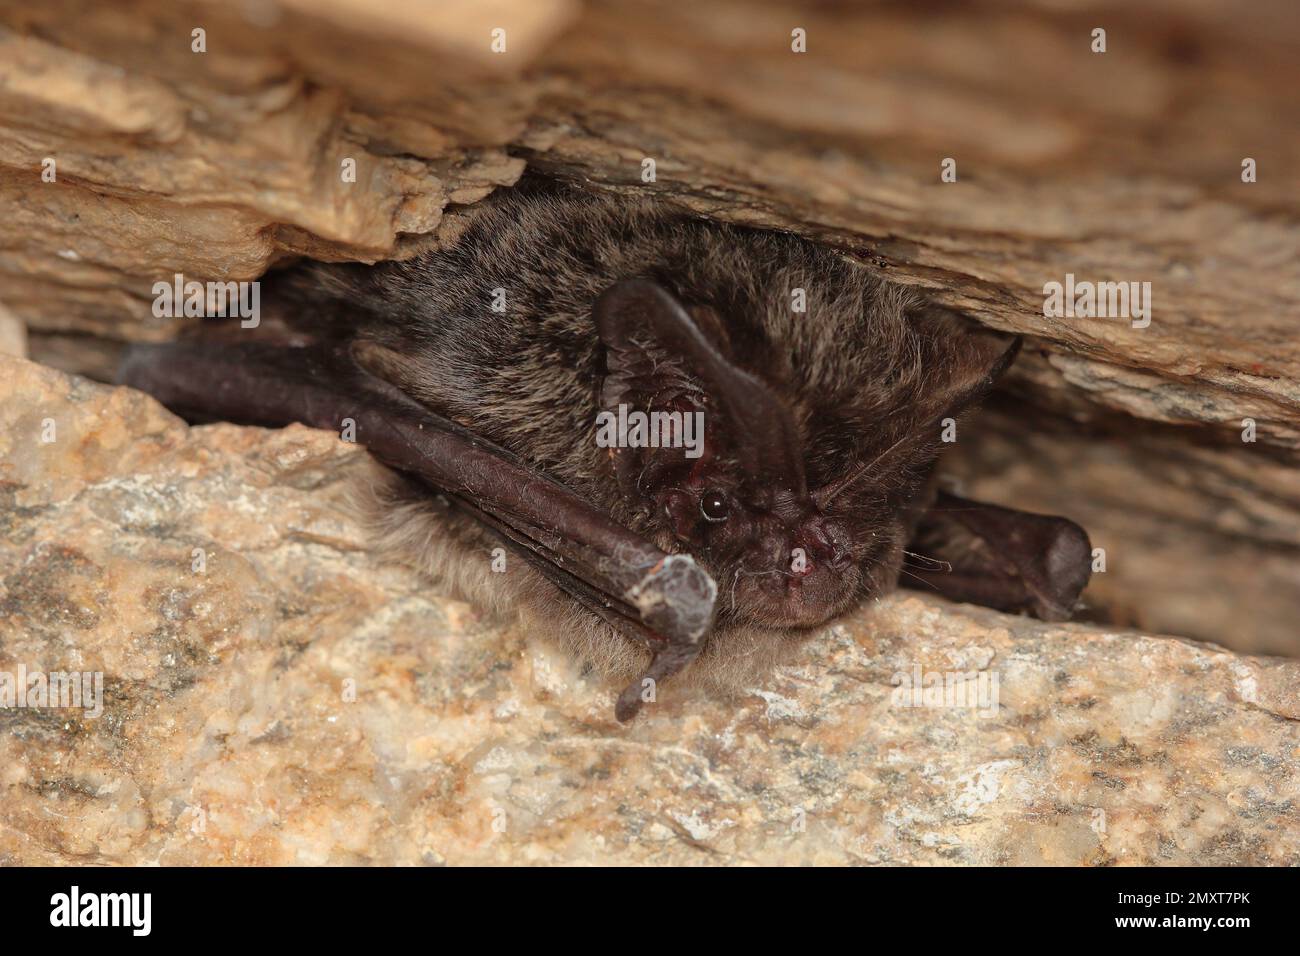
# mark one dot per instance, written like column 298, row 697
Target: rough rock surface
column 216, row 163
column 295, row 702
column 1115, row 166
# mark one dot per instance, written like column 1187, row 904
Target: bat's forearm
column 321, row 387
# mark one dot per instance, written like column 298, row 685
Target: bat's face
column 722, row 467
column 778, row 558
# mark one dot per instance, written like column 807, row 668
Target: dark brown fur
column 867, row 372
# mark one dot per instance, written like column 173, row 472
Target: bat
column 703, row 441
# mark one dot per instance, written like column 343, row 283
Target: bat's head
column 721, row 457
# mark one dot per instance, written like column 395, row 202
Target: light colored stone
column 228, row 734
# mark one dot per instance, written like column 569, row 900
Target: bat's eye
column 714, row 507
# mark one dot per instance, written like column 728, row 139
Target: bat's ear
column 660, row 357
column 974, row 358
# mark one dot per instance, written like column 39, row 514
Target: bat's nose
column 825, row 541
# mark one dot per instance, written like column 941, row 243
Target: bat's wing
column 1001, row 558
column 665, row 600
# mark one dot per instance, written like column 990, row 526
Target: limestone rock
column 287, row 699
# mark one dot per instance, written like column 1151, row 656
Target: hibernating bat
column 704, row 441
